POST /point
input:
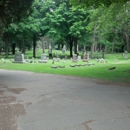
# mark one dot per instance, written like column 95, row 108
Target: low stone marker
column 61, row 66
column 56, row 59
column 19, row 58
column 72, row 65
column 54, row 67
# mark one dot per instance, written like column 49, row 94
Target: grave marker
column 19, row 58
column 43, row 58
column 85, row 57
column 126, row 55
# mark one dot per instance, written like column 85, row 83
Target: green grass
column 98, row 70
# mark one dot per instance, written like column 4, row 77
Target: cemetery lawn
column 98, row 71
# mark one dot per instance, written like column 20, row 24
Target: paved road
column 30, row 101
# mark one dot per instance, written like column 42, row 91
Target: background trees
column 108, row 24
column 98, row 25
column 12, row 11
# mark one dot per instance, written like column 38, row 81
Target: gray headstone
column 64, row 49
column 126, row 55
column 43, row 58
column 19, row 58
column 58, row 56
column 79, row 57
column 74, row 58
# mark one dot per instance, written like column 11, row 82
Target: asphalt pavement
column 53, row 102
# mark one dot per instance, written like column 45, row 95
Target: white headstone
column 43, row 58
column 64, row 49
column 126, row 55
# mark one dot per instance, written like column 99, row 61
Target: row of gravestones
column 19, row 58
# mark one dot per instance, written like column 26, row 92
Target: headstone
column 66, row 57
column 126, row 55
column 79, row 57
column 74, row 58
column 58, row 56
column 43, row 58
column 64, row 49
column 85, row 57
column 19, row 58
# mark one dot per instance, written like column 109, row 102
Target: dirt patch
column 9, row 111
column 7, row 99
column 15, row 90
column 9, row 114
column 124, row 84
column 2, row 92
column 29, row 103
column 5, row 87
column 9, row 108
column 128, row 106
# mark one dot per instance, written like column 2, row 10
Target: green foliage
column 13, row 11
column 96, row 3
column 109, row 25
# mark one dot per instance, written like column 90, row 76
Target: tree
column 12, row 11
column 96, row 3
column 66, row 25
column 114, row 20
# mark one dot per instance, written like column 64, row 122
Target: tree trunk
column 100, row 47
column 6, row 40
column 75, row 45
column 127, row 42
column 95, row 47
column 13, row 48
column 71, row 48
column 105, row 48
column 113, row 46
column 58, row 46
column 92, row 50
column 93, row 41
column 43, row 45
column 34, row 46
column 0, row 51
column 84, row 49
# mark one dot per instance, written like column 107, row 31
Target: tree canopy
column 13, row 10
column 96, row 3
column 97, row 27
